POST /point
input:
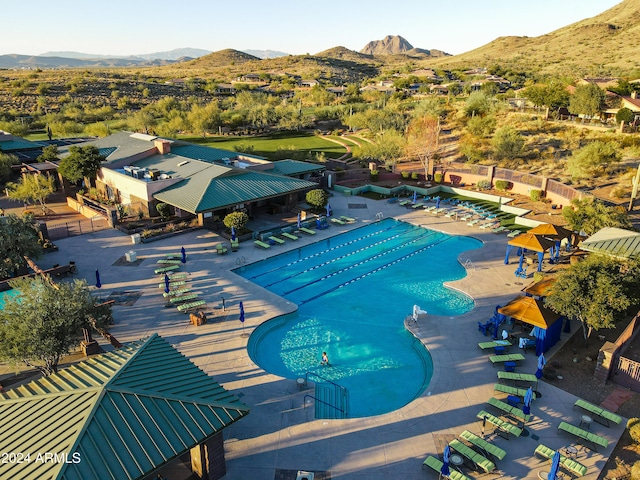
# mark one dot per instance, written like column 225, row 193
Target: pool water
column 354, row 291
column 6, row 294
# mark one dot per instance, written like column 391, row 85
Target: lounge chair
column 512, row 357
column 185, row 307
column 496, row 343
column 569, row 464
column 261, row 244
column 488, row 225
column 167, row 269
column 417, row 205
column 166, row 261
column 503, row 428
column 590, row 439
column 482, row 462
column 436, row 465
column 173, row 256
column 337, row 221
column 514, row 233
column 221, row 249
column 179, row 291
column 184, row 298
column 308, row 231
column 172, row 284
column 438, row 211
column 430, row 209
column 487, row 447
column 289, row 236
column 499, row 229
column 473, row 222
column 404, row 203
column 177, row 276
column 509, row 390
column 347, row 219
column 235, row 245
column 518, row 377
column 277, row 240
column 508, row 409
column 600, row 415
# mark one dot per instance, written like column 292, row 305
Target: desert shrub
column 633, row 425
column 619, row 192
column 414, row 176
column 405, row 175
column 502, row 185
column 484, row 184
column 236, row 220
column 164, row 210
column 535, row 195
column 317, row 198
column 437, row 177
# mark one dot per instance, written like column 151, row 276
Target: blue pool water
column 6, row 294
column 354, row 291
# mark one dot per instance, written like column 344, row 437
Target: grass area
column 295, row 145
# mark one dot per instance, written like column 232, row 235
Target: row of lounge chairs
column 179, row 293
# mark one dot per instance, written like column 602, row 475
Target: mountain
column 174, row 54
column 266, row 53
column 228, row 56
column 389, row 45
column 607, row 44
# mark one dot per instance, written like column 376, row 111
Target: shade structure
column 446, row 455
column 437, row 202
column 555, row 465
column 241, row 312
column 98, row 282
column 549, row 230
column 541, row 288
column 537, row 243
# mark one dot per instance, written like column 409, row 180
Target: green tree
column 82, row 162
column 553, row 95
column 18, row 238
column 204, row 118
column 423, row 142
column 507, row 143
column 587, row 100
column 142, row 121
column 625, row 115
column 164, row 209
column 593, row 292
column 481, row 126
column 593, row 159
column 6, row 161
column 236, row 220
column 49, row 154
column 478, row 103
column 32, row 188
column 590, row 215
column 386, row 147
column 317, row 198
column 41, row 324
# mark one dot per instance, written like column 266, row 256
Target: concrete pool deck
column 280, row 433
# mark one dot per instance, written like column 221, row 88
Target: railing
column 308, row 395
column 343, row 391
column 627, row 373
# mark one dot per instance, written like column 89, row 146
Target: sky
column 131, row 27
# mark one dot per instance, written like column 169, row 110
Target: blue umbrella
column 166, row 283
column 555, row 465
column 233, row 233
column 242, row 316
column 415, row 196
column 528, row 397
column 184, row 255
column 437, row 202
column 445, row 458
column 299, row 221
column 541, row 363
column 98, row 283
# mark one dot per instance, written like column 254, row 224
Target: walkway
column 280, row 434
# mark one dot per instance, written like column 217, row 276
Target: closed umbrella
column 445, row 459
column 242, row 316
column 437, row 202
column 555, row 466
column 184, row 255
column 541, row 363
column 233, row 233
column 328, row 210
column 98, row 282
column 166, row 283
column 528, row 397
column 299, row 221
column 415, row 196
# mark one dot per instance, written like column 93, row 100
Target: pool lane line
column 369, row 259
column 341, row 257
column 360, row 277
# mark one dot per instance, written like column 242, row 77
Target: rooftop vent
column 183, row 163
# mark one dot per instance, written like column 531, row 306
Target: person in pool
column 325, row 359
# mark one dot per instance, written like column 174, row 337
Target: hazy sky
column 118, row 27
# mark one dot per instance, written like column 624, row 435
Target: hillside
column 606, row 44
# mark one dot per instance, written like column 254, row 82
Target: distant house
column 337, row 91
column 249, row 78
column 309, row 83
column 225, row 89
column 604, row 83
column 439, row 89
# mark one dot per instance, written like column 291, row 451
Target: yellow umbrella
column 540, row 289
column 551, row 231
column 537, row 243
column 530, row 310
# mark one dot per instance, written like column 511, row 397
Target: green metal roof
column 119, row 415
column 294, row 167
column 615, row 242
column 19, row 144
column 219, row 187
column 207, row 154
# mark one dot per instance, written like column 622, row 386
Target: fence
column 76, row 227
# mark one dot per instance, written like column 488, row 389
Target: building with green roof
column 121, row 415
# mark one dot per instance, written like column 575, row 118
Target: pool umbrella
column 415, row 196
column 98, row 282
column 527, row 401
column 437, row 202
column 233, row 233
column 166, row 283
column 541, row 363
column 328, row 210
column 299, row 220
column 549, row 230
column 242, row 316
column 555, row 465
column 184, row 255
column 445, row 459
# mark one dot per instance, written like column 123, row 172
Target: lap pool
column 353, row 292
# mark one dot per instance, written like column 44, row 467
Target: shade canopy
column 541, row 288
column 551, row 231
column 530, row 310
column 537, row 243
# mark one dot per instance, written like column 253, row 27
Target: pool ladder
column 469, row 264
column 331, row 399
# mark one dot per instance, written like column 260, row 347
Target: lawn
column 294, row 145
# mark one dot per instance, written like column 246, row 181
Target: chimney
column 163, row 146
column 634, row 94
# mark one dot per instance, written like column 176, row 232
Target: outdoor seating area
column 570, row 465
column 176, row 291
column 600, row 415
column 588, row 439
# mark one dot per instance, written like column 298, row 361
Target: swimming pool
column 6, row 294
column 354, row 291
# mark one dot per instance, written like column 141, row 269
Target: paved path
column 280, row 433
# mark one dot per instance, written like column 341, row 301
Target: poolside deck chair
column 430, row 208
column 221, row 249
column 165, row 261
column 590, row 440
column 482, row 462
column 337, row 221
column 569, row 464
column 473, row 222
column 503, row 428
column 496, row 343
column 508, row 409
column 487, row 447
column 235, row 245
column 344, row 218
column 277, row 240
column 173, row 284
column 404, row 203
column 518, row 377
column 179, row 291
column 436, row 465
column 600, row 415
column 177, row 276
column 514, row 233
column 417, row 205
column 184, row 298
column 499, row 229
column 173, row 256
column 512, row 357
column 509, row 390
column 289, row 236
column 261, row 244
column 167, row 269
column 185, row 307
column 308, row 231
column 489, row 225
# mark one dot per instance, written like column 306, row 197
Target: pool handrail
column 342, row 388
column 304, row 402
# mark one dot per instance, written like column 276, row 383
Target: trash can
column 135, row 238
column 131, row 256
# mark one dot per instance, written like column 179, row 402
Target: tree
column 386, row 148
column 32, row 188
column 587, row 100
column 590, row 215
column 18, row 238
column 41, row 324
column 593, row 291
column 553, row 95
column 49, row 154
column 478, row 103
column 423, row 142
column 236, row 220
column 164, row 209
column 82, row 162
column 625, row 115
column 507, row 143
column 593, row 159
column 317, row 198
column 203, row 119
column 6, row 161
